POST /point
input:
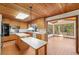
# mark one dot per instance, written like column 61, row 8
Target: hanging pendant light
column 30, row 8
column 30, row 28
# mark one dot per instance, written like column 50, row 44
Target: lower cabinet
column 22, row 46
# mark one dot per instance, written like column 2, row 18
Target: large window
column 65, row 29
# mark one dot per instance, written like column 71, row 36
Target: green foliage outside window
column 50, row 29
column 56, row 29
column 65, row 29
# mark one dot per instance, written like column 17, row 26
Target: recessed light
column 21, row 16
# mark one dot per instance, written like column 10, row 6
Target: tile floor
column 61, row 46
column 56, row 46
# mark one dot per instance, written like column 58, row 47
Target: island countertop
column 34, row 42
column 31, row 41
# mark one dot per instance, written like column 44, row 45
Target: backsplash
column 12, row 31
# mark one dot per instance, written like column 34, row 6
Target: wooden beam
column 77, row 34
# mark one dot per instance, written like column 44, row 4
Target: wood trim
column 77, row 38
column 8, row 41
column 46, row 26
column 45, row 49
column 36, row 52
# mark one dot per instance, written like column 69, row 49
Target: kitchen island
column 34, row 43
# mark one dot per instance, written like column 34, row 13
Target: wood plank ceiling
column 38, row 9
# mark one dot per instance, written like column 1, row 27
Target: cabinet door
column 38, row 36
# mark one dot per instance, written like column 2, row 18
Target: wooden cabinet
column 38, row 36
column 18, row 42
column 9, row 38
column 22, row 46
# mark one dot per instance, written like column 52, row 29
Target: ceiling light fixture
column 22, row 16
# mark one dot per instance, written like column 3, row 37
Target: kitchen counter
column 34, row 42
column 22, row 35
column 39, row 32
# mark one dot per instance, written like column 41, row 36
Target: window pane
column 67, row 29
column 56, row 29
column 50, row 29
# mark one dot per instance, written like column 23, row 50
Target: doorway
column 62, row 36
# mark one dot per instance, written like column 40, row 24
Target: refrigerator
column 5, row 29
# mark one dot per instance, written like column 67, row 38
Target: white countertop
column 41, row 31
column 21, row 35
column 31, row 41
column 34, row 42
